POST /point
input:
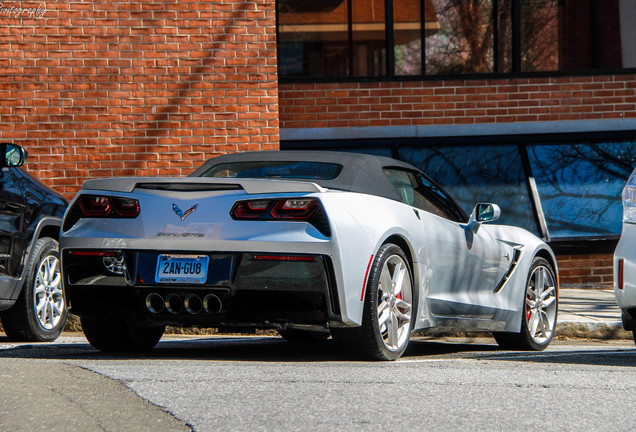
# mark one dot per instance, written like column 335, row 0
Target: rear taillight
column 125, row 207
column 299, row 209
column 629, row 200
column 298, row 258
column 296, row 209
column 101, row 206
column 92, row 205
column 308, row 210
column 249, row 209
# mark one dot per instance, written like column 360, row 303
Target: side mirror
column 14, row 155
column 483, row 212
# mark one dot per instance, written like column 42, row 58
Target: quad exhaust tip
column 212, row 304
column 154, row 303
column 192, row 304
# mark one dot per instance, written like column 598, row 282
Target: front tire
column 386, row 321
column 117, row 335
column 539, row 312
column 40, row 313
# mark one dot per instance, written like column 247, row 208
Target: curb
column 592, row 330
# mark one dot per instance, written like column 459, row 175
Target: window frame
column 564, row 245
column 516, row 46
column 442, row 202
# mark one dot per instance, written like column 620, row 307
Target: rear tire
column 116, row 335
column 386, row 320
column 295, row 335
column 40, row 313
column 540, row 308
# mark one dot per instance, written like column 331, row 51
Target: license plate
column 182, row 269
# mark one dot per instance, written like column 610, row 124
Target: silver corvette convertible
column 363, row 248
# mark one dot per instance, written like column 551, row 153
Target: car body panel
column 466, row 276
column 625, row 258
column 625, row 250
column 27, row 207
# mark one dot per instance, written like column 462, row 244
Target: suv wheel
column 40, row 313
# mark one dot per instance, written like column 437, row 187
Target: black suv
column 32, row 305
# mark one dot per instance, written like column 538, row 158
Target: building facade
column 527, row 103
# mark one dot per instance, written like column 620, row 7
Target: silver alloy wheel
column 541, row 304
column 47, row 293
column 394, row 303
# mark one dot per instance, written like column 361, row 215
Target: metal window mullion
column 389, row 24
column 350, row 35
column 516, row 35
column 534, row 192
column 423, row 36
column 596, row 34
column 495, row 35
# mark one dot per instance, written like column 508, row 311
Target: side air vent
column 188, row 187
column 513, row 265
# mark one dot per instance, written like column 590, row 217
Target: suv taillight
column 629, row 199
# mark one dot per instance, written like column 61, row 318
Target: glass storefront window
column 407, row 35
column 344, row 38
column 464, row 42
column 539, row 35
column 473, row 174
column 503, row 32
column 617, row 34
column 580, row 186
column 368, row 38
column 313, row 38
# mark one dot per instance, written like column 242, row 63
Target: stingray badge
column 184, row 214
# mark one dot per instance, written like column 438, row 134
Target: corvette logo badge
column 183, row 214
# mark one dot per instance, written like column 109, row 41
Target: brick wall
column 146, row 87
column 586, row 271
column 457, row 102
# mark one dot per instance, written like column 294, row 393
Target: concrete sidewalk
column 590, row 313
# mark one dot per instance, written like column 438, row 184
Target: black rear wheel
column 117, row 335
column 296, row 335
column 386, row 321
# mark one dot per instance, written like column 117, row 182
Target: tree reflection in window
column 464, row 42
column 473, row 174
column 580, row 186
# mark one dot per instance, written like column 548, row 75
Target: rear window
column 275, row 169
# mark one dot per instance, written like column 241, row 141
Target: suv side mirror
column 14, row 155
column 483, row 212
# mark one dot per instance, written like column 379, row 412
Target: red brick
column 120, row 87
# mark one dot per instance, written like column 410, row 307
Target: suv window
column 420, row 192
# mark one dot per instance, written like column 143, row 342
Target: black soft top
column 360, row 172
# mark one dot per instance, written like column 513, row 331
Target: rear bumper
column 241, row 289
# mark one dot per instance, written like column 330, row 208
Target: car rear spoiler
column 250, row 186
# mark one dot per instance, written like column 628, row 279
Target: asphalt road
column 266, row 384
